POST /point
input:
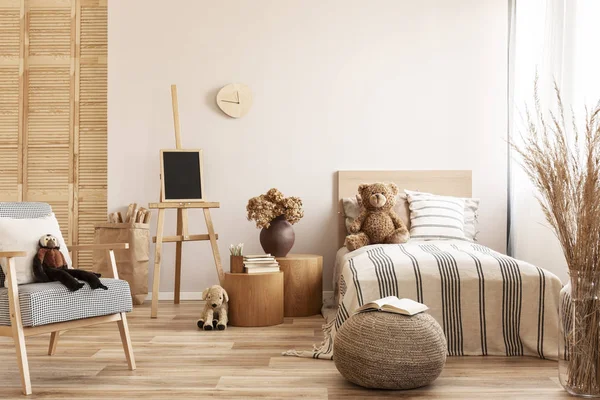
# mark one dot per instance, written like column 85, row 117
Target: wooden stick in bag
column 130, row 210
column 134, row 216
column 141, row 215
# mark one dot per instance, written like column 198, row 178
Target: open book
column 392, row 304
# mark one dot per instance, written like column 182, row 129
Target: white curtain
column 558, row 40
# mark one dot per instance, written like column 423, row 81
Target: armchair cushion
column 48, row 303
column 24, row 234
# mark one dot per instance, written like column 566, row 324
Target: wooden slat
column 91, row 127
column 22, row 95
column 10, row 29
column 72, row 123
column 181, row 238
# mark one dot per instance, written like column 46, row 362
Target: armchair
column 33, row 309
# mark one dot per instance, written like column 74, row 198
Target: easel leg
column 157, row 260
column 214, row 245
column 181, row 222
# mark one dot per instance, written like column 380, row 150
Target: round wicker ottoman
column 390, row 351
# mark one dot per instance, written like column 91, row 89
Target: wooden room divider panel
column 53, row 128
column 10, row 87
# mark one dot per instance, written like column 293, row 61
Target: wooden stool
column 255, row 299
column 303, row 281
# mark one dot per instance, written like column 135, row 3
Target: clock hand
column 237, row 94
column 228, row 101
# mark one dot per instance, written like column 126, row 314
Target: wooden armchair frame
column 18, row 332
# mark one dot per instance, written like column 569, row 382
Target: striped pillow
column 435, row 217
column 471, row 214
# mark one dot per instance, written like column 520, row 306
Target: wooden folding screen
column 53, row 81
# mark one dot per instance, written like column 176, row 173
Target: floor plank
column 176, row 360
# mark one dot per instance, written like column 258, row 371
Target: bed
column 487, row 303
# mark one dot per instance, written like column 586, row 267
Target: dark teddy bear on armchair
column 377, row 221
column 49, row 265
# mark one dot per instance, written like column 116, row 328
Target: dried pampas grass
column 564, row 165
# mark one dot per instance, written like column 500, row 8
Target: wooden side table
column 255, row 299
column 303, row 284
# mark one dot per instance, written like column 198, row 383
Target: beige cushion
column 352, row 209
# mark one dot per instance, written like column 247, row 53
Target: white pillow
column 24, row 235
column 436, row 217
column 471, row 214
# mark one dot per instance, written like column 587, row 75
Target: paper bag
column 132, row 263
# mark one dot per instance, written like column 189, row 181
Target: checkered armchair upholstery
column 46, row 303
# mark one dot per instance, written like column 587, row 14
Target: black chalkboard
column 181, row 175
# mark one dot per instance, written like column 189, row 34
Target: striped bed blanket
column 487, row 303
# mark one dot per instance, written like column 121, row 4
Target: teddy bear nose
column 214, row 305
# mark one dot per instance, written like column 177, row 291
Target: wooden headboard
column 448, row 183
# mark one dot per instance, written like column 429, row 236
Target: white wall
column 337, row 84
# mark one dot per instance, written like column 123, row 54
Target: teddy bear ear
column 358, row 199
column 204, row 294
column 362, row 187
column 394, row 188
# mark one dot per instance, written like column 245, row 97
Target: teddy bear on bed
column 49, row 265
column 377, row 221
column 214, row 314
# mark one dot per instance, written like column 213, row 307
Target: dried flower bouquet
column 265, row 208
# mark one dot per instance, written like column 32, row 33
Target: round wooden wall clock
column 235, row 99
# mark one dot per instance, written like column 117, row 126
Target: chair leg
column 53, row 342
column 19, row 339
column 17, row 327
column 126, row 340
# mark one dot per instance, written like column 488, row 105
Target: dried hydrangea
column 265, row 208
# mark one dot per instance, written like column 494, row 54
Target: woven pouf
column 390, row 351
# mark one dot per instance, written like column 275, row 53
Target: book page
column 394, row 304
column 391, row 300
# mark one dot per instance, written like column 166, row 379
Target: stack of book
column 260, row 263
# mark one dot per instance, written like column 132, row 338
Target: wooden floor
column 177, row 361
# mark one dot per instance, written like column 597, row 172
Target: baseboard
column 327, row 294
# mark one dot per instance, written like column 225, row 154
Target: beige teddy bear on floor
column 377, row 221
column 214, row 314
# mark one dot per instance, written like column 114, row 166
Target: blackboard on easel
column 181, row 175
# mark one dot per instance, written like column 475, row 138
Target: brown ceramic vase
column 278, row 238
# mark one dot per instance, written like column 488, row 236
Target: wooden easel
column 182, row 228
